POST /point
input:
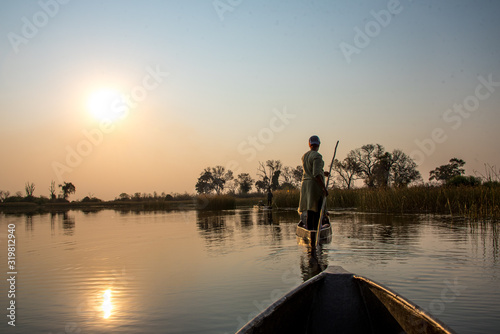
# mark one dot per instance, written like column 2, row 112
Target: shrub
column 88, row 199
column 467, row 181
column 491, row 184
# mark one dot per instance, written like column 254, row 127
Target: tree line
column 371, row 163
column 376, row 167
column 67, row 188
column 271, row 175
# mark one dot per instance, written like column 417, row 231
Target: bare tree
column 377, row 167
column 29, row 188
column 287, row 174
column 265, row 180
column 366, row 157
column 220, row 177
column 231, row 186
column 291, row 177
column 348, row 170
column 297, row 175
column 52, row 190
column 270, row 173
column 491, row 174
column 4, row 195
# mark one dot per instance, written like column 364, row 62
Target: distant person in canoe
column 313, row 187
column 269, row 197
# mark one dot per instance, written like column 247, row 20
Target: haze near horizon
column 129, row 96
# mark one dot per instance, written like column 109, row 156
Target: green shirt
column 311, row 192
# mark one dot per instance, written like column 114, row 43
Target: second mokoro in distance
column 337, row 301
column 262, row 207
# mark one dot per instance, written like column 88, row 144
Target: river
column 210, row 272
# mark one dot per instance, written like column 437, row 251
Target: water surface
column 210, row 272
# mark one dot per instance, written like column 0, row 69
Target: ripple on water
column 195, row 272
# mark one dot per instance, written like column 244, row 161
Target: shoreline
column 478, row 203
column 154, row 205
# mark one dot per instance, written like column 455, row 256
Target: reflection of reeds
column 215, row 202
column 477, row 203
column 485, row 237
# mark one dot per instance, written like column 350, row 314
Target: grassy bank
column 200, row 202
column 478, row 203
column 27, row 207
column 215, row 202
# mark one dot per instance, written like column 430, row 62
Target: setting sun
column 106, row 104
column 107, row 306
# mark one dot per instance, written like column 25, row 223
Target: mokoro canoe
column 337, row 301
column 309, row 236
column 262, row 207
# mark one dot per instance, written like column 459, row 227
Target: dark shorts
column 313, row 217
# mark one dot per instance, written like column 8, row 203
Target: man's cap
column 314, row 140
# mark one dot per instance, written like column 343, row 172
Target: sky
column 141, row 96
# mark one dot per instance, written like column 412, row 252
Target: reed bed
column 476, row 203
column 249, row 201
column 479, row 203
column 286, row 198
column 215, row 202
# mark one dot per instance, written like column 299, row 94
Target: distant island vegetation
column 391, row 184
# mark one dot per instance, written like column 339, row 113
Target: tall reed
column 215, row 202
column 479, row 203
column 286, row 198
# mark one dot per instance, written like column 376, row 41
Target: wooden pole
column 323, row 205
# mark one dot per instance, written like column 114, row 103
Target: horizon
column 126, row 96
column 357, row 183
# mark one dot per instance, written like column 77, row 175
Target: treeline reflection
column 386, row 229
column 267, row 226
column 381, row 236
column 64, row 219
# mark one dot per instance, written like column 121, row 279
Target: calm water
column 198, row 272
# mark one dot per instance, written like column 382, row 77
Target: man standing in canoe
column 269, row 197
column 313, row 185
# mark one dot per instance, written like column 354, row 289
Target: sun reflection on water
column 107, row 306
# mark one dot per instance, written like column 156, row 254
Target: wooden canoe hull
column 309, row 236
column 337, row 301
